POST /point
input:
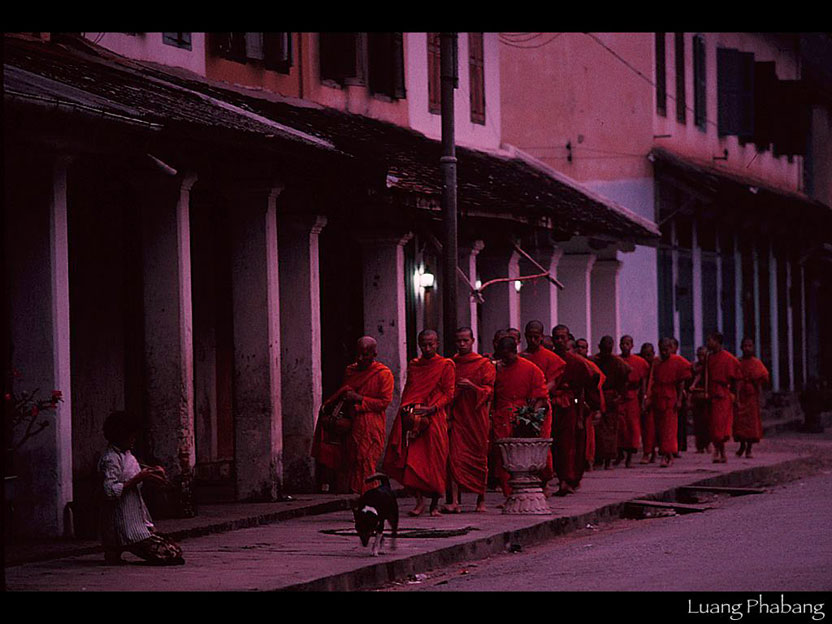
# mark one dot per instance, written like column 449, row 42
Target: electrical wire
column 531, row 47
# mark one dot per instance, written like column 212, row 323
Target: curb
column 375, row 575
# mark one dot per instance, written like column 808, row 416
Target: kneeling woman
column 125, row 521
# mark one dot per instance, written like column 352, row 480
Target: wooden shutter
column 735, row 84
column 700, row 102
column 792, row 128
column 681, row 102
column 385, row 64
column 178, row 39
column 745, row 91
column 661, row 75
column 476, row 65
column 765, row 101
column 399, row 90
column 254, row 46
column 277, row 49
column 434, row 74
column 230, row 45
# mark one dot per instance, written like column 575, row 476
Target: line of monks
column 599, row 411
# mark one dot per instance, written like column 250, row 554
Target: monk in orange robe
column 723, row 371
column 697, row 402
column 368, row 387
column 648, row 423
column 570, row 402
column 417, row 450
column 748, row 424
column 597, row 394
column 470, row 425
column 552, row 366
column 616, row 373
column 518, row 383
column 629, row 424
column 669, row 376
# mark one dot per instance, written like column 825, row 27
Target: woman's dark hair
column 119, row 425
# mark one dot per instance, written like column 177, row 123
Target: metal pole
column 448, row 166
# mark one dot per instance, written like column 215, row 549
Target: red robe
column 569, row 428
column 723, row 368
column 422, row 464
column 616, row 374
column 518, row 385
column 364, row 444
column 598, row 396
column 471, row 423
column 666, row 376
column 629, row 424
column 648, row 423
column 748, row 424
column 552, row 366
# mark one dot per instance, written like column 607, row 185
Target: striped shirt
column 124, row 516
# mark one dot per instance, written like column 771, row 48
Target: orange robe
column 723, row 368
column 598, row 395
column 364, row 444
column 616, row 374
column 517, row 385
column 471, row 423
column 748, row 424
column 666, row 376
column 422, row 464
column 629, row 424
column 575, row 387
column 552, row 366
column 648, row 422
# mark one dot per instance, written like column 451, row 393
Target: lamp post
column 448, row 62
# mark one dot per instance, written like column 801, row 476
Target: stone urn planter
column 525, row 458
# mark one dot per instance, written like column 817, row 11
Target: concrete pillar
column 696, row 255
column 385, row 314
column 804, row 338
column 169, row 359
column 539, row 298
column 258, row 414
column 606, row 318
column 774, row 325
column 757, row 329
column 466, row 306
column 501, row 308
column 720, row 301
column 677, row 317
column 300, row 338
column 575, row 300
column 36, row 256
column 790, row 324
column 738, row 299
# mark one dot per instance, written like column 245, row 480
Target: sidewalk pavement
column 306, row 544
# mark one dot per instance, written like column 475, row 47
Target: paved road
column 777, row 541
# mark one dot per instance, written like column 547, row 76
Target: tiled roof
column 399, row 160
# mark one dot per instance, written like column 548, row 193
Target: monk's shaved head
column 428, row 333
column 365, row 342
column 534, row 326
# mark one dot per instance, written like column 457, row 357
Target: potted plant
column 524, row 457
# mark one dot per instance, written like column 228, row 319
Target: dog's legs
column 377, row 544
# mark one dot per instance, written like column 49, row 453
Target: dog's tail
column 380, row 476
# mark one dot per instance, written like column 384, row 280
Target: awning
column 743, row 199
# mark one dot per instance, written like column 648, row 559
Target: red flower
column 35, row 410
column 56, row 396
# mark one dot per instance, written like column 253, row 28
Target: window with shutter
column 681, row 103
column 342, row 57
column 735, row 93
column 793, row 118
column 661, row 75
column 385, row 64
column 254, row 46
column 230, row 45
column 699, row 83
column 277, row 51
column 765, row 102
column 180, row 39
column 434, row 74
column 476, row 64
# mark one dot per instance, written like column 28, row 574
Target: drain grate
column 408, row 533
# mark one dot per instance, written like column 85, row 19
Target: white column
column 774, row 319
column 677, row 317
column 539, row 298
column 790, row 323
column 501, row 309
column 756, row 268
column 169, row 359
column 575, row 301
column 258, row 414
column 466, row 306
column 720, row 301
column 739, row 317
column 300, row 338
column 696, row 286
column 606, row 318
column 385, row 316
column 804, row 339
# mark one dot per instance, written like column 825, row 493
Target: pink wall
column 148, row 46
column 573, row 91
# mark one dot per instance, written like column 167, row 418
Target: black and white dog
column 373, row 509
